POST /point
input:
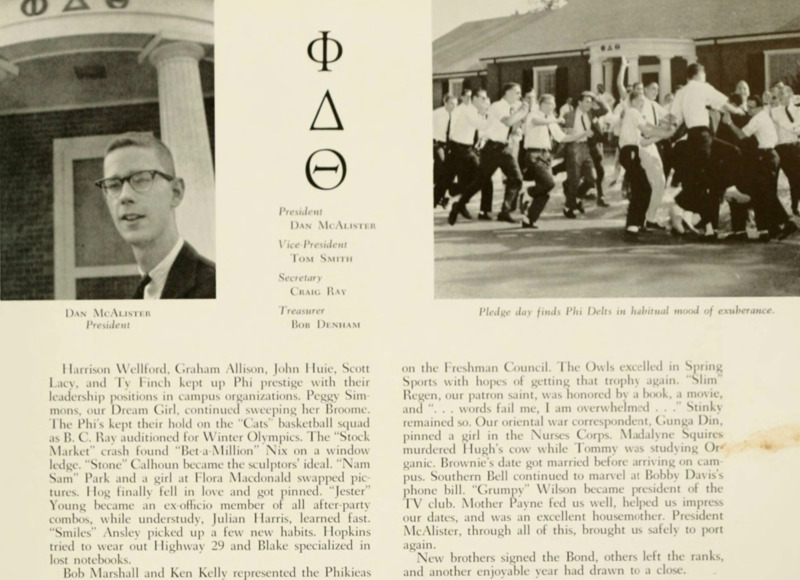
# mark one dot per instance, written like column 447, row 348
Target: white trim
column 756, row 38
column 767, row 54
column 85, row 50
column 535, row 56
column 180, row 27
column 65, row 272
column 77, row 107
column 445, row 76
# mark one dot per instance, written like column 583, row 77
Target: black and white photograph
column 107, row 186
column 616, row 148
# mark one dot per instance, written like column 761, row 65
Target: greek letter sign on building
column 74, row 74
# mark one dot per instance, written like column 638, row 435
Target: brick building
column 580, row 45
column 74, row 73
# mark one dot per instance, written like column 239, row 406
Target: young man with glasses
column 142, row 192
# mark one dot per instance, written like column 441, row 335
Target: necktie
column 655, row 114
column 549, row 139
column 583, row 122
column 139, row 294
column 447, row 134
column 788, row 114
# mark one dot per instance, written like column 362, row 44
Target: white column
column 597, row 73
column 664, row 75
column 633, row 70
column 608, row 75
column 184, row 130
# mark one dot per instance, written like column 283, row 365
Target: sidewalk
column 588, row 257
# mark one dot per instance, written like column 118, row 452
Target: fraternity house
column 578, row 46
column 73, row 74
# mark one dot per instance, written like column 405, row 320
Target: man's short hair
column 694, row 69
column 508, row 86
column 585, row 95
column 635, row 94
column 650, row 84
column 736, row 100
column 146, row 141
column 479, row 93
column 546, row 97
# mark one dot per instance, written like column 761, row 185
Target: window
column 91, row 260
column 455, row 87
column 782, row 65
column 544, row 79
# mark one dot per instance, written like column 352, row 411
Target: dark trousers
column 537, row 167
column 496, row 155
column 790, row 163
column 770, row 213
column 580, row 172
column 640, row 185
column 708, row 166
column 597, row 152
column 443, row 173
column 466, row 164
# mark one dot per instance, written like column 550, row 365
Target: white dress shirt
column 763, row 128
column 441, row 117
column 630, row 132
column 158, row 275
column 691, row 101
column 653, row 112
column 542, row 136
column 496, row 129
column 466, row 121
column 786, row 127
column 581, row 124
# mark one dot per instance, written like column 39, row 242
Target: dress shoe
column 654, row 226
column 579, row 207
column 570, row 214
column 631, row 236
column 453, row 216
column 526, row 225
column 485, row 216
column 601, row 202
column 787, row 230
column 464, row 212
column 445, row 202
column 505, row 217
column 709, row 238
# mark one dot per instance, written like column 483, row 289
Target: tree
column 542, row 5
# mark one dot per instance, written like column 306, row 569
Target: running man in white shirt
column 497, row 153
column 542, row 131
column 634, row 128
column 771, row 216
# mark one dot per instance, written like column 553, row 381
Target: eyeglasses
column 141, row 182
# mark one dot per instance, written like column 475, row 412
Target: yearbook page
column 239, row 343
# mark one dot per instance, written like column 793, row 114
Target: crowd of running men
column 718, row 148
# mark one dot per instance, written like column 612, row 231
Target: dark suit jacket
column 191, row 276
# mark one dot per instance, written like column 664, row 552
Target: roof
column 581, row 21
column 460, row 50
